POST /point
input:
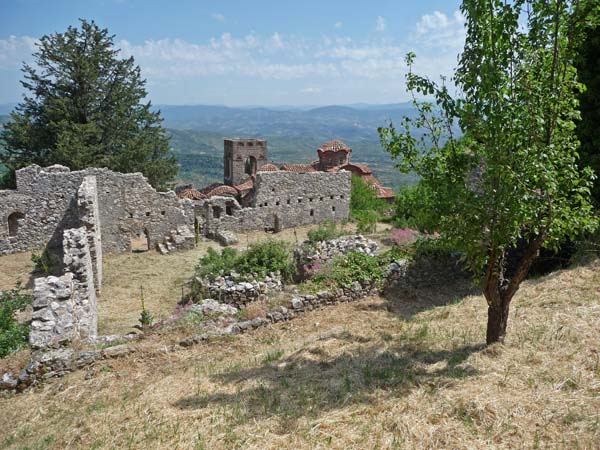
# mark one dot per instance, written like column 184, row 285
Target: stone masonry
column 64, row 308
column 45, row 204
column 282, row 200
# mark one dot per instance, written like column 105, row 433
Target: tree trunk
column 497, row 322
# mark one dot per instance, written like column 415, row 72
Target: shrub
column 260, row 258
column 325, row 232
column 432, row 247
column 414, row 208
column 265, row 257
column 214, row 263
column 363, row 199
column 353, row 266
column 13, row 335
column 42, row 261
column 366, row 221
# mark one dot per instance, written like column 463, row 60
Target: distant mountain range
column 293, row 134
column 358, row 122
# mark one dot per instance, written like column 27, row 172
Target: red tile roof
column 245, row 186
column 191, row 194
column 334, row 146
column 268, row 168
column 219, row 189
column 363, row 169
column 382, row 192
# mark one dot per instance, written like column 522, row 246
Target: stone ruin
column 77, row 216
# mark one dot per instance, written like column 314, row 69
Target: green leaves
column 513, row 173
column 84, row 108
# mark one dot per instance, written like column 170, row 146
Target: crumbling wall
column 89, row 215
column 282, row 200
column 65, row 308
column 127, row 207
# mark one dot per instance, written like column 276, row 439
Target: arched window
column 15, row 221
column 250, row 165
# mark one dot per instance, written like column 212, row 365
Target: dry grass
column 401, row 372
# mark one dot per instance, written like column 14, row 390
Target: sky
column 252, row 52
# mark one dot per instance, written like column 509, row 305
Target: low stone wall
column 299, row 304
column 310, row 259
column 229, row 289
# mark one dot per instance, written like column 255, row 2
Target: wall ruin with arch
column 46, row 202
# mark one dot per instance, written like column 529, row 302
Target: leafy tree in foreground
column 512, row 178
column 84, row 108
column 588, row 67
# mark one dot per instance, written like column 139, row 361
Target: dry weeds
column 402, row 372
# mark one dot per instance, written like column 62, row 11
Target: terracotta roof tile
column 268, row 168
column 219, row 189
column 245, row 186
column 362, row 168
column 191, row 194
column 334, row 146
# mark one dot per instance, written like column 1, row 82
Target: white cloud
column 311, row 90
column 440, row 31
column 338, row 25
column 16, row 49
column 321, row 64
column 380, row 24
column 218, row 17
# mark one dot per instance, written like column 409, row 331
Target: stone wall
column 282, row 200
column 89, row 216
column 64, row 308
column 230, row 289
column 127, row 207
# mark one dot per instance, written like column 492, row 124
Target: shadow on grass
column 407, row 302
column 307, row 382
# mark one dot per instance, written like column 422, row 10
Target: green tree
column 512, row 178
column 84, row 107
column 588, row 67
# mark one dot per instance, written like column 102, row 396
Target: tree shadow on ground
column 407, row 302
column 311, row 381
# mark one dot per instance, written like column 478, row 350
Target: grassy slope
column 401, row 372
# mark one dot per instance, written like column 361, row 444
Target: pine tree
column 84, row 107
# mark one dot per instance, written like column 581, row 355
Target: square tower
column 242, row 158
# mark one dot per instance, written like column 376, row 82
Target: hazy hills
column 293, row 134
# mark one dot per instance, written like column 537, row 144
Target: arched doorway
column 15, row 221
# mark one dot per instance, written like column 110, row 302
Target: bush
column 214, row 263
column 43, row 261
column 414, row 208
column 326, row 231
column 260, row 258
column 353, row 266
column 13, row 335
column 366, row 221
column 364, row 201
column 265, row 257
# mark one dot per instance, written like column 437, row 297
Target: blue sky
column 252, row 52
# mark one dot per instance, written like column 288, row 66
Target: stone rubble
column 311, row 258
column 228, row 288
